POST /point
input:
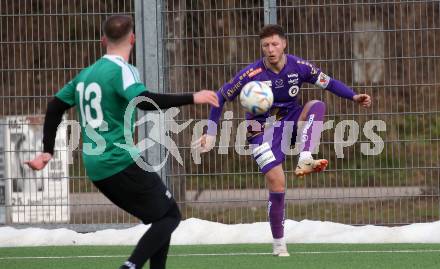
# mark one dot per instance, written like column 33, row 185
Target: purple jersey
column 285, row 86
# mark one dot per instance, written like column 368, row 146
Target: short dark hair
column 116, row 27
column 272, row 29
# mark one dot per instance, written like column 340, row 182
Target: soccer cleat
column 280, row 249
column 128, row 265
column 307, row 166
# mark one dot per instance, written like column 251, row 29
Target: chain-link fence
column 388, row 49
column 44, row 44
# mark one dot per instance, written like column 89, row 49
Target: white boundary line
column 234, row 254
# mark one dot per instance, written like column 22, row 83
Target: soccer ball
column 256, row 97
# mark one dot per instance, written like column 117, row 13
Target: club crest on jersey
column 293, row 91
column 279, row 83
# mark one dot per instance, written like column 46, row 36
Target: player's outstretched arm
column 340, row 89
column 164, row 101
column 54, row 115
column 207, row 141
column 206, row 97
column 362, row 99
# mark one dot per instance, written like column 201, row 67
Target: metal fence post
column 270, row 12
column 149, row 61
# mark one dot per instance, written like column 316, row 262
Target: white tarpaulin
column 35, row 196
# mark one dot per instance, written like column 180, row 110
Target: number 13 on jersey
column 92, row 103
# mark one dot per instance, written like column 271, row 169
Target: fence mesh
column 388, row 49
column 385, row 49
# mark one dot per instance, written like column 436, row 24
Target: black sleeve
column 54, row 115
column 164, row 101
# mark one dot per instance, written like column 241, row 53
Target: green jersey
column 101, row 93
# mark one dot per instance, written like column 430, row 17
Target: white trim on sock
column 305, row 155
column 279, row 241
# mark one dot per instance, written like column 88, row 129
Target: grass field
column 251, row 256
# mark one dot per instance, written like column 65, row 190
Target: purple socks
column 276, row 214
column 311, row 134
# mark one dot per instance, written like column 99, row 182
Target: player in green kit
column 101, row 94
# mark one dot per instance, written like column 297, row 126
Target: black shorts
column 140, row 193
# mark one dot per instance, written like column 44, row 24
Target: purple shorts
column 267, row 144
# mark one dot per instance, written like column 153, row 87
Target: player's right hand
column 362, row 99
column 205, row 143
column 40, row 161
column 206, row 97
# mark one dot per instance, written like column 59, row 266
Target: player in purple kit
column 285, row 74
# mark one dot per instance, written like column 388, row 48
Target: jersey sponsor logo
column 293, row 91
column 245, row 74
column 292, row 75
column 279, row 83
column 232, row 90
column 255, row 72
column 293, row 81
column 267, row 82
column 322, row 81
